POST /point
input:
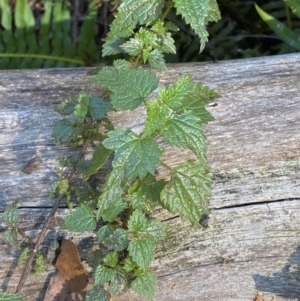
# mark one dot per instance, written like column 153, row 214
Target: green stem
column 170, row 6
column 288, row 16
column 136, row 61
column 167, row 166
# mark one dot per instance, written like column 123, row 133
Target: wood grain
column 252, row 241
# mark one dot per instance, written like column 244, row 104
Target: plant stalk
column 42, row 234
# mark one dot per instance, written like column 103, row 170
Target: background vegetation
column 69, row 33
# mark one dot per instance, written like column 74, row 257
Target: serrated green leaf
column 137, row 201
column 117, row 285
column 121, row 27
column 81, row 109
column 39, row 265
column 78, row 164
column 138, row 156
column 133, row 47
column 82, row 219
column 64, row 131
column 122, row 64
column 103, row 274
column 137, row 222
column 11, row 237
column 100, row 156
column 112, row 46
column 67, row 107
column 147, row 193
column 144, row 285
column 129, row 265
column 112, row 239
column 111, row 259
column 167, row 44
column 156, row 229
column 171, row 26
column 10, row 296
column 149, row 38
column 132, row 12
column 117, row 241
column 23, row 257
column 112, row 190
column 97, row 294
column 11, row 215
column 174, row 94
column 156, row 60
column 141, row 250
column 198, row 13
column 164, row 43
column 196, row 101
column 113, row 210
column 98, row 107
column 105, row 232
column 157, row 113
column 94, row 257
column 185, row 131
column 187, row 193
column 152, row 190
column 159, row 27
column 129, row 87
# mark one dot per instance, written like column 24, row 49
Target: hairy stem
column 170, row 6
column 136, row 61
column 42, row 234
column 166, row 166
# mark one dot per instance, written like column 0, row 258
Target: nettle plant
column 120, row 209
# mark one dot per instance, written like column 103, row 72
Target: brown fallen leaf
column 29, row 166
column 69, row 283
column 259, row 297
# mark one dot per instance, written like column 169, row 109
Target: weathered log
column 251, row 243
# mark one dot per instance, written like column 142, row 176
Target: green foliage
column 39, row 265
column 144, row 285
column 132, row 153
column 11, row 237
column 97, row 294
column 282, row 31
column 121, row 208
column 150, row 42
column 11, row 214
column 82, row 219
column 11, row 297
column 128, row 87
column 62, row 187
column 23, row 256
column 187, row 191
column 198, row 14
column 131, row 189
column 23, row 46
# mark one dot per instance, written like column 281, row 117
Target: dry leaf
column 259, row 297
column 69, row 283
column 29, row 166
